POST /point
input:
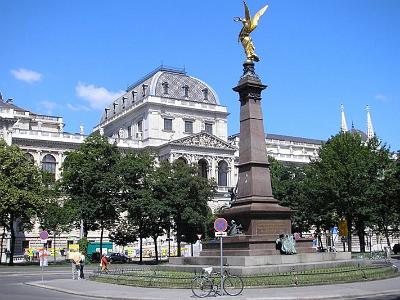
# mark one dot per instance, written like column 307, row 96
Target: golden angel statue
column 249, row 24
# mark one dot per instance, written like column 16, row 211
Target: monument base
column 252, row 265
column 256, row 245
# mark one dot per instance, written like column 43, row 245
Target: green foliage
column 20, row 189
column 187, row 195
column 146, row 213
column 57, row 217
column 352, row 179
column 90, row 180
column 83, row 245
column 385, row 192
column 341, row 178
column 124, row 233
column 288, row 186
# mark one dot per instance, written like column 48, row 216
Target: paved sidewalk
column 383, row 289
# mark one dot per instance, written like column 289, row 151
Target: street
column 12, row 285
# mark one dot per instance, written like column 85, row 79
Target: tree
column 57, row 217
column 342, row 174
column 20, row 190
column 384, row 192
column 288, row 187
column 90, row 179
column 187, row 195
column 146, row 211
column 123, row 233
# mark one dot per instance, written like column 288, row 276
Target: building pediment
column 203, row 140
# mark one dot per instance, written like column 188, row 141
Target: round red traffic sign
column 220, row 224
column 44, row 235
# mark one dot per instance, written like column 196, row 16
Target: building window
column 123, row 102
column 186, row 91
column 208, row 127
column 165, row 88
column 188, row 126
column 203, row 166
column 223, row 173
column 115, row 106
column 205, row 94
column 106, row 112
column 140, row 126
column 30, row 157
column 182, row 159
column 167, row 124
column 130, row 131
column 49, row 165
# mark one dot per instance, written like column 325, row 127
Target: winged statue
column 249, row 24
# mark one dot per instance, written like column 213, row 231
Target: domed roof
column 361, row 133
column 163, row 82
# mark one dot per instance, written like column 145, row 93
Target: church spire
column 370, row 128
column 343, row 126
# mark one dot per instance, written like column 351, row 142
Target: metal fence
column 148, row 277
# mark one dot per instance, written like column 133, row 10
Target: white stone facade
column 168, row 111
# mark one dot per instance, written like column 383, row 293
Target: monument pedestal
column 255, row 209
column 264, row 264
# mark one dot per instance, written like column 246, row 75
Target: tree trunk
column 85, row 229
column 12, row 244
column 54, row 246
column 1, row 244
column 141, row 250
column 101, row 239
column 349, row 230
column 155, row 248
column 361, row 237
column 178, row 240
column 386, row 233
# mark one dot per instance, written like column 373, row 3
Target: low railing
column 172, row 279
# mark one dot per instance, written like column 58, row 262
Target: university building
column 175, row 115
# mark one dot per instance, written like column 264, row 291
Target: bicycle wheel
column 233, row 285
column 201, row 286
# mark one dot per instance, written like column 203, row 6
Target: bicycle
column 209, row 282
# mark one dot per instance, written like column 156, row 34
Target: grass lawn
column 169, row 279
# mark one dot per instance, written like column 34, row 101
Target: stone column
column 255, row 209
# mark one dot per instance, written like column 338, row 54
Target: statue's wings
column 254, row 21
column 246, row 12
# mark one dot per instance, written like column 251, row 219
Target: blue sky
column 70, row 58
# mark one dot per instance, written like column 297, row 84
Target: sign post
column 43, row 262
column 220, row 226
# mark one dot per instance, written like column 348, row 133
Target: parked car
column 117, row 257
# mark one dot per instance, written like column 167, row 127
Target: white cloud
column 26, row 75
column 48, row 106
column 98, row 97
column 77, row 107
column 381, row 97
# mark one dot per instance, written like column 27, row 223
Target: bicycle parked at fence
column 210, row 282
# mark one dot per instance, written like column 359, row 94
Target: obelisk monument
column 255, row 209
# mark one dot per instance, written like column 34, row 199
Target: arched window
column 184, row 160
column 49, row 165
column 203, row 166
column 223, row 173
column 30, row 157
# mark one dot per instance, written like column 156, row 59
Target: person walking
column 82, row 265
column 75, row 265
column 104, row 263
